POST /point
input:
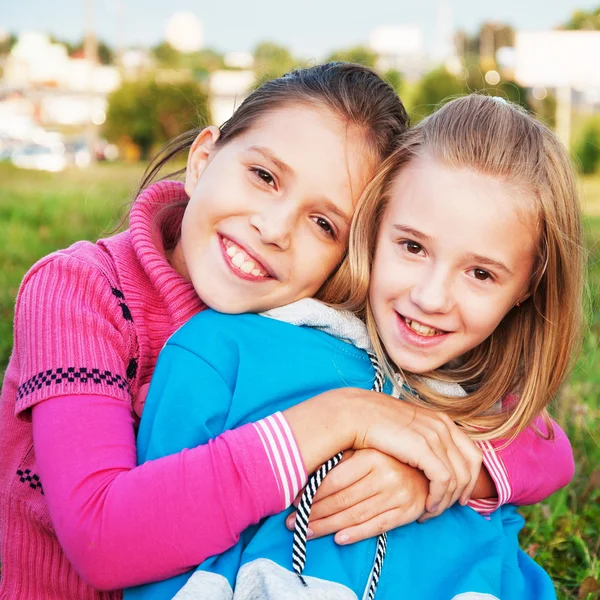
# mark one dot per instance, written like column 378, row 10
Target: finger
column 339, row 502
column 427, row 516
column 433, row 461
column 385, row 521
column 473, row 456
column 462, row 472
column 345, row 498
column 347, row 473
column 351, row 517
column 442, row 436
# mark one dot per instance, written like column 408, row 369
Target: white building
column 400, row 48
column 227, row 90
column 35, row 61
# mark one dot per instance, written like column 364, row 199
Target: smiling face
column 455, row 252
column 269, row 212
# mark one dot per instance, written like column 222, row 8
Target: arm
column 115, row 520
column 529, row 469
column 121, row 525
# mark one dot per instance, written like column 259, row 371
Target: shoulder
column 79, row 260
column 72, row 288
column 210, row 327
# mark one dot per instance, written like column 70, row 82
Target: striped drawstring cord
column 303, row 511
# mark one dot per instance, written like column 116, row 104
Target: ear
column 202, row 149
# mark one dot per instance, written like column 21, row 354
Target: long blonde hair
column 531, row 350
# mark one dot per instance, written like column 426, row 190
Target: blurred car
column 41, row 157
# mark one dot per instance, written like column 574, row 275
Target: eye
column 412, row 247
column 263, row 175
column 481, row 274
column 326, row 226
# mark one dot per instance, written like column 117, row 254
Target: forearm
column 122, row 525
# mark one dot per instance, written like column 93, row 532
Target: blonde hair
column 531, row 350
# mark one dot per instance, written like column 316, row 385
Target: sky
column 310, row 28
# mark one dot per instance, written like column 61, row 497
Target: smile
column 421, row 328
column 242, row 263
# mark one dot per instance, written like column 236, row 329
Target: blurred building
column 399, row 48
column 227, row 90
column 52, row 88
column 564, row 62
column 36, row 62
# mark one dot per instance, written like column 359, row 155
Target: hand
column 427, row 440
column 354, row 418
column 367, row 493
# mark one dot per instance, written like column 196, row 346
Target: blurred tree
column 150, row 113
column 106, row 56
column 545, row 109
column 395, row 79
column 360, row 55
column 200, row 63
column 475, row 82
column 481, row 48
column 586, row 150
column 582, row 19
column 436, row 86
column 7, row 43
column 166, row 55
column 271, row 60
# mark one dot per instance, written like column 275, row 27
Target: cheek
column 315, row 264
column 483, row 315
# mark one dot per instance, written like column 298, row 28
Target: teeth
column 420, row 328
column 242, row 261
column 239, row 259
column 247, row 267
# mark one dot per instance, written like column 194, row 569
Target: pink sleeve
column 122, row 525
column 529, row 469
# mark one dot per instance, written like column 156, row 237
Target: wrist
column 485, row 486
column 325, row 425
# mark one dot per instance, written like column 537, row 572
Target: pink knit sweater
column 89, row 324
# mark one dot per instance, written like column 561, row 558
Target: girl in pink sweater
column 263, row 220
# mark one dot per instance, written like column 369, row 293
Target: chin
column 418, row 367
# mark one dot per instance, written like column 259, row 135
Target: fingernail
column 291, row 523
column 343, row 539
column 309, row 533
column 434, row 508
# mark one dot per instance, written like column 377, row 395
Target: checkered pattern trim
column 70, row 375
column 32, row 479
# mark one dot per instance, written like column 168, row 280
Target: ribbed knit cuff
column 499, row 475
column 284, row 457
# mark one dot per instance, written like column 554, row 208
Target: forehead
column 462, row 205
column 314, row 141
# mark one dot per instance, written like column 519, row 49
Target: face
column 269, row 212
column 455, row 252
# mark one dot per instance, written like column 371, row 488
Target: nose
column 274, row 223
column 433, row 292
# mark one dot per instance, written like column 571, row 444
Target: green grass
column 40, row 212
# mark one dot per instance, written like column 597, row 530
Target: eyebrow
column 490, row 262
column 478, row 258
column 410, row 231
column 332, row 207
column 270, row 155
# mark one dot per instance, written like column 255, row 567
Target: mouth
column 242, row 263
column 421, row 329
